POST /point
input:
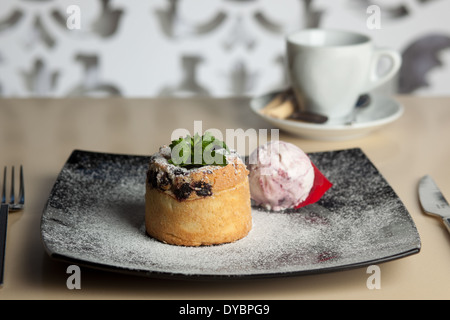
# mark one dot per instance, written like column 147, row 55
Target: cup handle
column 376, row 80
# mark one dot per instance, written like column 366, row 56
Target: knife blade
column 433, row 201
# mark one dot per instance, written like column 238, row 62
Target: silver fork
column 7, row 207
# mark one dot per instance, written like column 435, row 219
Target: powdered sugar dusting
column 95, row 214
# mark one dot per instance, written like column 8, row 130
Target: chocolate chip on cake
column 151, row 178
column 183, row 192
column 202, row 189
column 179, row 172
column 163, row 181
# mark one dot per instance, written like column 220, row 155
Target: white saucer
column 381, row 111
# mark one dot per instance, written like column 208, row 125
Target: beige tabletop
column 41, row 134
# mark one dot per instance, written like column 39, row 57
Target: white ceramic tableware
column 330, row 69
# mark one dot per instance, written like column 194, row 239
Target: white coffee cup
column 330, row 69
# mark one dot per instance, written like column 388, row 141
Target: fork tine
column 4, row 186
column 21, row 187
column 12, row 197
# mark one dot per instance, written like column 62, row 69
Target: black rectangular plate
column 95, row 217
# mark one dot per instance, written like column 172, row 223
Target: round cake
column 204, row 205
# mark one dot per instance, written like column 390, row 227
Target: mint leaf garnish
column 198, row 151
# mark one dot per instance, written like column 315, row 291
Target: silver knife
column 433, row 201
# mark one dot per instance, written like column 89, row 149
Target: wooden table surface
column 41, row 134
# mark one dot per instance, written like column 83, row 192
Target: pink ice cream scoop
column 281, row 175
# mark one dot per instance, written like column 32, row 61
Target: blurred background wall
column 147, row 48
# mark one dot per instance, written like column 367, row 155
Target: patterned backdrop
column 138, row 48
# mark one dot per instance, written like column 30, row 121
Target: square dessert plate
column 94, row 217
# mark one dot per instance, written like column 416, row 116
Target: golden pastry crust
column 224, row 217
column 204, row 206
